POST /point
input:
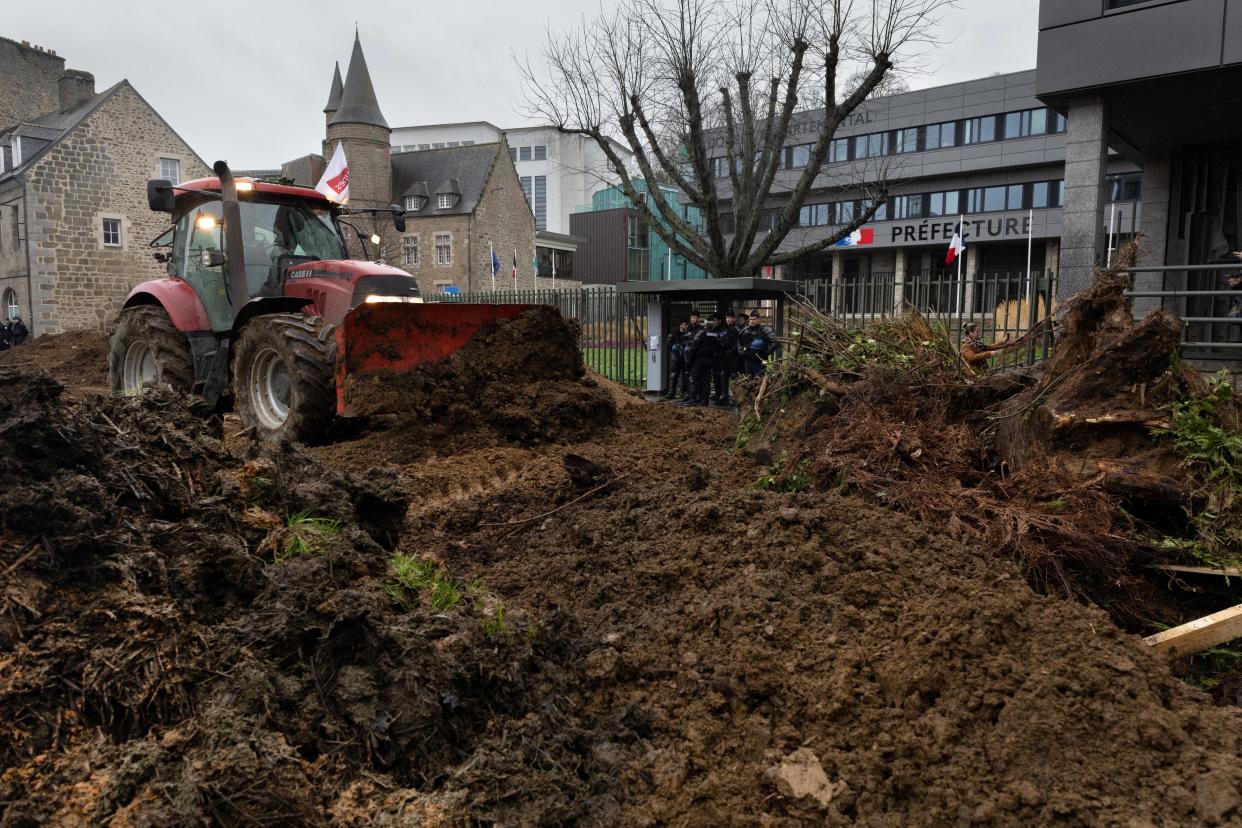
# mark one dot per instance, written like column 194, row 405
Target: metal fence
column 1209, row 308
column 613, row 326
column 1005, row 304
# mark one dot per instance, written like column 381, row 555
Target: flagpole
column 961, row 287
column 1112, row 221
column 1030, row 251
column 491, row 264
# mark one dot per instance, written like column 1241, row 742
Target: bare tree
column 707, row 93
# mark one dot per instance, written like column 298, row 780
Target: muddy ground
column 644, row 638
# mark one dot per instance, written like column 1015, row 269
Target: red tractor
column 263, row 308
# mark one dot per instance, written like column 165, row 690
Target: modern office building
column 559, row 173
column 617, row 243
column 988, row 150
column 1160, row 81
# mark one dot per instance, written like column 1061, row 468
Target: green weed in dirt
column 1212, row 446
column 779, row 478
column 306, row 536
column 747, row 430
column 414, row 577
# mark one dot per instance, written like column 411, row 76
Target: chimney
column 76, row 87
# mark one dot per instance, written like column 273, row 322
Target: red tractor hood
column 348, row 270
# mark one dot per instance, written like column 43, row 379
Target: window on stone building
column 8, row 157
column 409, row 250
column 414, row 203
column 170, row 169
column 444, row 201
column 112, row 232
column 524, row 153
column 541, row 153
column 12, row 310
column 444, row 248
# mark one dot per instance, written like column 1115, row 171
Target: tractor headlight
column 375, row 299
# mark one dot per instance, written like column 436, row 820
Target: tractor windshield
column 275, row 232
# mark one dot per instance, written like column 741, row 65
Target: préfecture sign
column 334, row 185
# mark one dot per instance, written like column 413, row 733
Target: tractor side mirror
column 398, row 217
column 211, row 257
column 162, row 258
column 160, row 196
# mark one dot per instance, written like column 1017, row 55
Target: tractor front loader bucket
column 378, row 343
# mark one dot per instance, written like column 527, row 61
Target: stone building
column 461, row 203
column 74, row 221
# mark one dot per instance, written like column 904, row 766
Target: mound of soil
column 519, row 381
column 783, row 659
column 190, row 638
column 78, row 360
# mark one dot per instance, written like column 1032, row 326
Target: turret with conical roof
column 334, row 94
column 357, row 123
column 358, row 104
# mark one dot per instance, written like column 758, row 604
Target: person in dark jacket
column 703, row 351
column 756, row 342
column 679, row 369
column 20, row 332
column 728, row 363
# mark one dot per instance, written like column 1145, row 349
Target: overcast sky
column 246, row 80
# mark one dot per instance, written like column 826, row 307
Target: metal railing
column 1210, row 311
column 1005, row 304
column 612, row 326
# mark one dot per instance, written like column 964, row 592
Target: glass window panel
column 840, row 150
column 1039, row 121
column 801, row 156
column 1015, row 200
column 1013, row 125
column 1040, row 196
column 860, row 146
column 994, row 199
column 845, row 212
column 952, row 202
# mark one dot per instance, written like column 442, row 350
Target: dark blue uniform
column 756, row 344
column 679, row 368
column 704, row 350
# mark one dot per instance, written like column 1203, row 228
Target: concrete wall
column 1083, row 45
column 413, row 138
column 98, row 171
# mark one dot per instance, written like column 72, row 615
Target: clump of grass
column 306, row 536
column 1212, row 447
column 414, row 579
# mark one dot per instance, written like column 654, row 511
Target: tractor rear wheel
column 284, row 384
column 148, row 349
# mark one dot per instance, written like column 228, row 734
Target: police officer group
column 704, row 357
column 13, row 333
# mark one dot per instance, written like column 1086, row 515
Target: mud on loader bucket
column 376, row 343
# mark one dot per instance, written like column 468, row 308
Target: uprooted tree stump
column 1093, row 410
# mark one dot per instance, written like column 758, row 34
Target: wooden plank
column 1200, row 634
column 1228, row 572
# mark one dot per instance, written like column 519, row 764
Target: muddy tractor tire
column 284, row 383
column 147, row 349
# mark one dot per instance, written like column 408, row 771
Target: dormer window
column 414, row 203
column 444, row 200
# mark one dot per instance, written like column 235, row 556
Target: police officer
column 703, row 351
column 729, row 362
column 20, row 332
column 757, row 344
column 679, row 370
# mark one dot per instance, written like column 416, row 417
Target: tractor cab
column 282, row 228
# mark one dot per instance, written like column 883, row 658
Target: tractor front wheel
column 284, row 378
column 148, row 349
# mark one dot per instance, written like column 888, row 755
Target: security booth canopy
column 719, row 294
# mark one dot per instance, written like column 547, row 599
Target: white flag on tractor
column 335, row 182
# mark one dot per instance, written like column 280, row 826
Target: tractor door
column 199, row 230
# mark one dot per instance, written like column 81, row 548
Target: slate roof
column 464, row 170
column 51, row 128
column 334, row 94
column 358, row 102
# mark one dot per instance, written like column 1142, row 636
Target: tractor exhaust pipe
column 234, row 246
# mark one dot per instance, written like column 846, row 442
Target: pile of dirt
column 519, row 381
column 78, row 360
column 784, row 658
column 188, row 637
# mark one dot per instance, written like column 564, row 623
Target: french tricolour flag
column 862, row 236
column 956, row 247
